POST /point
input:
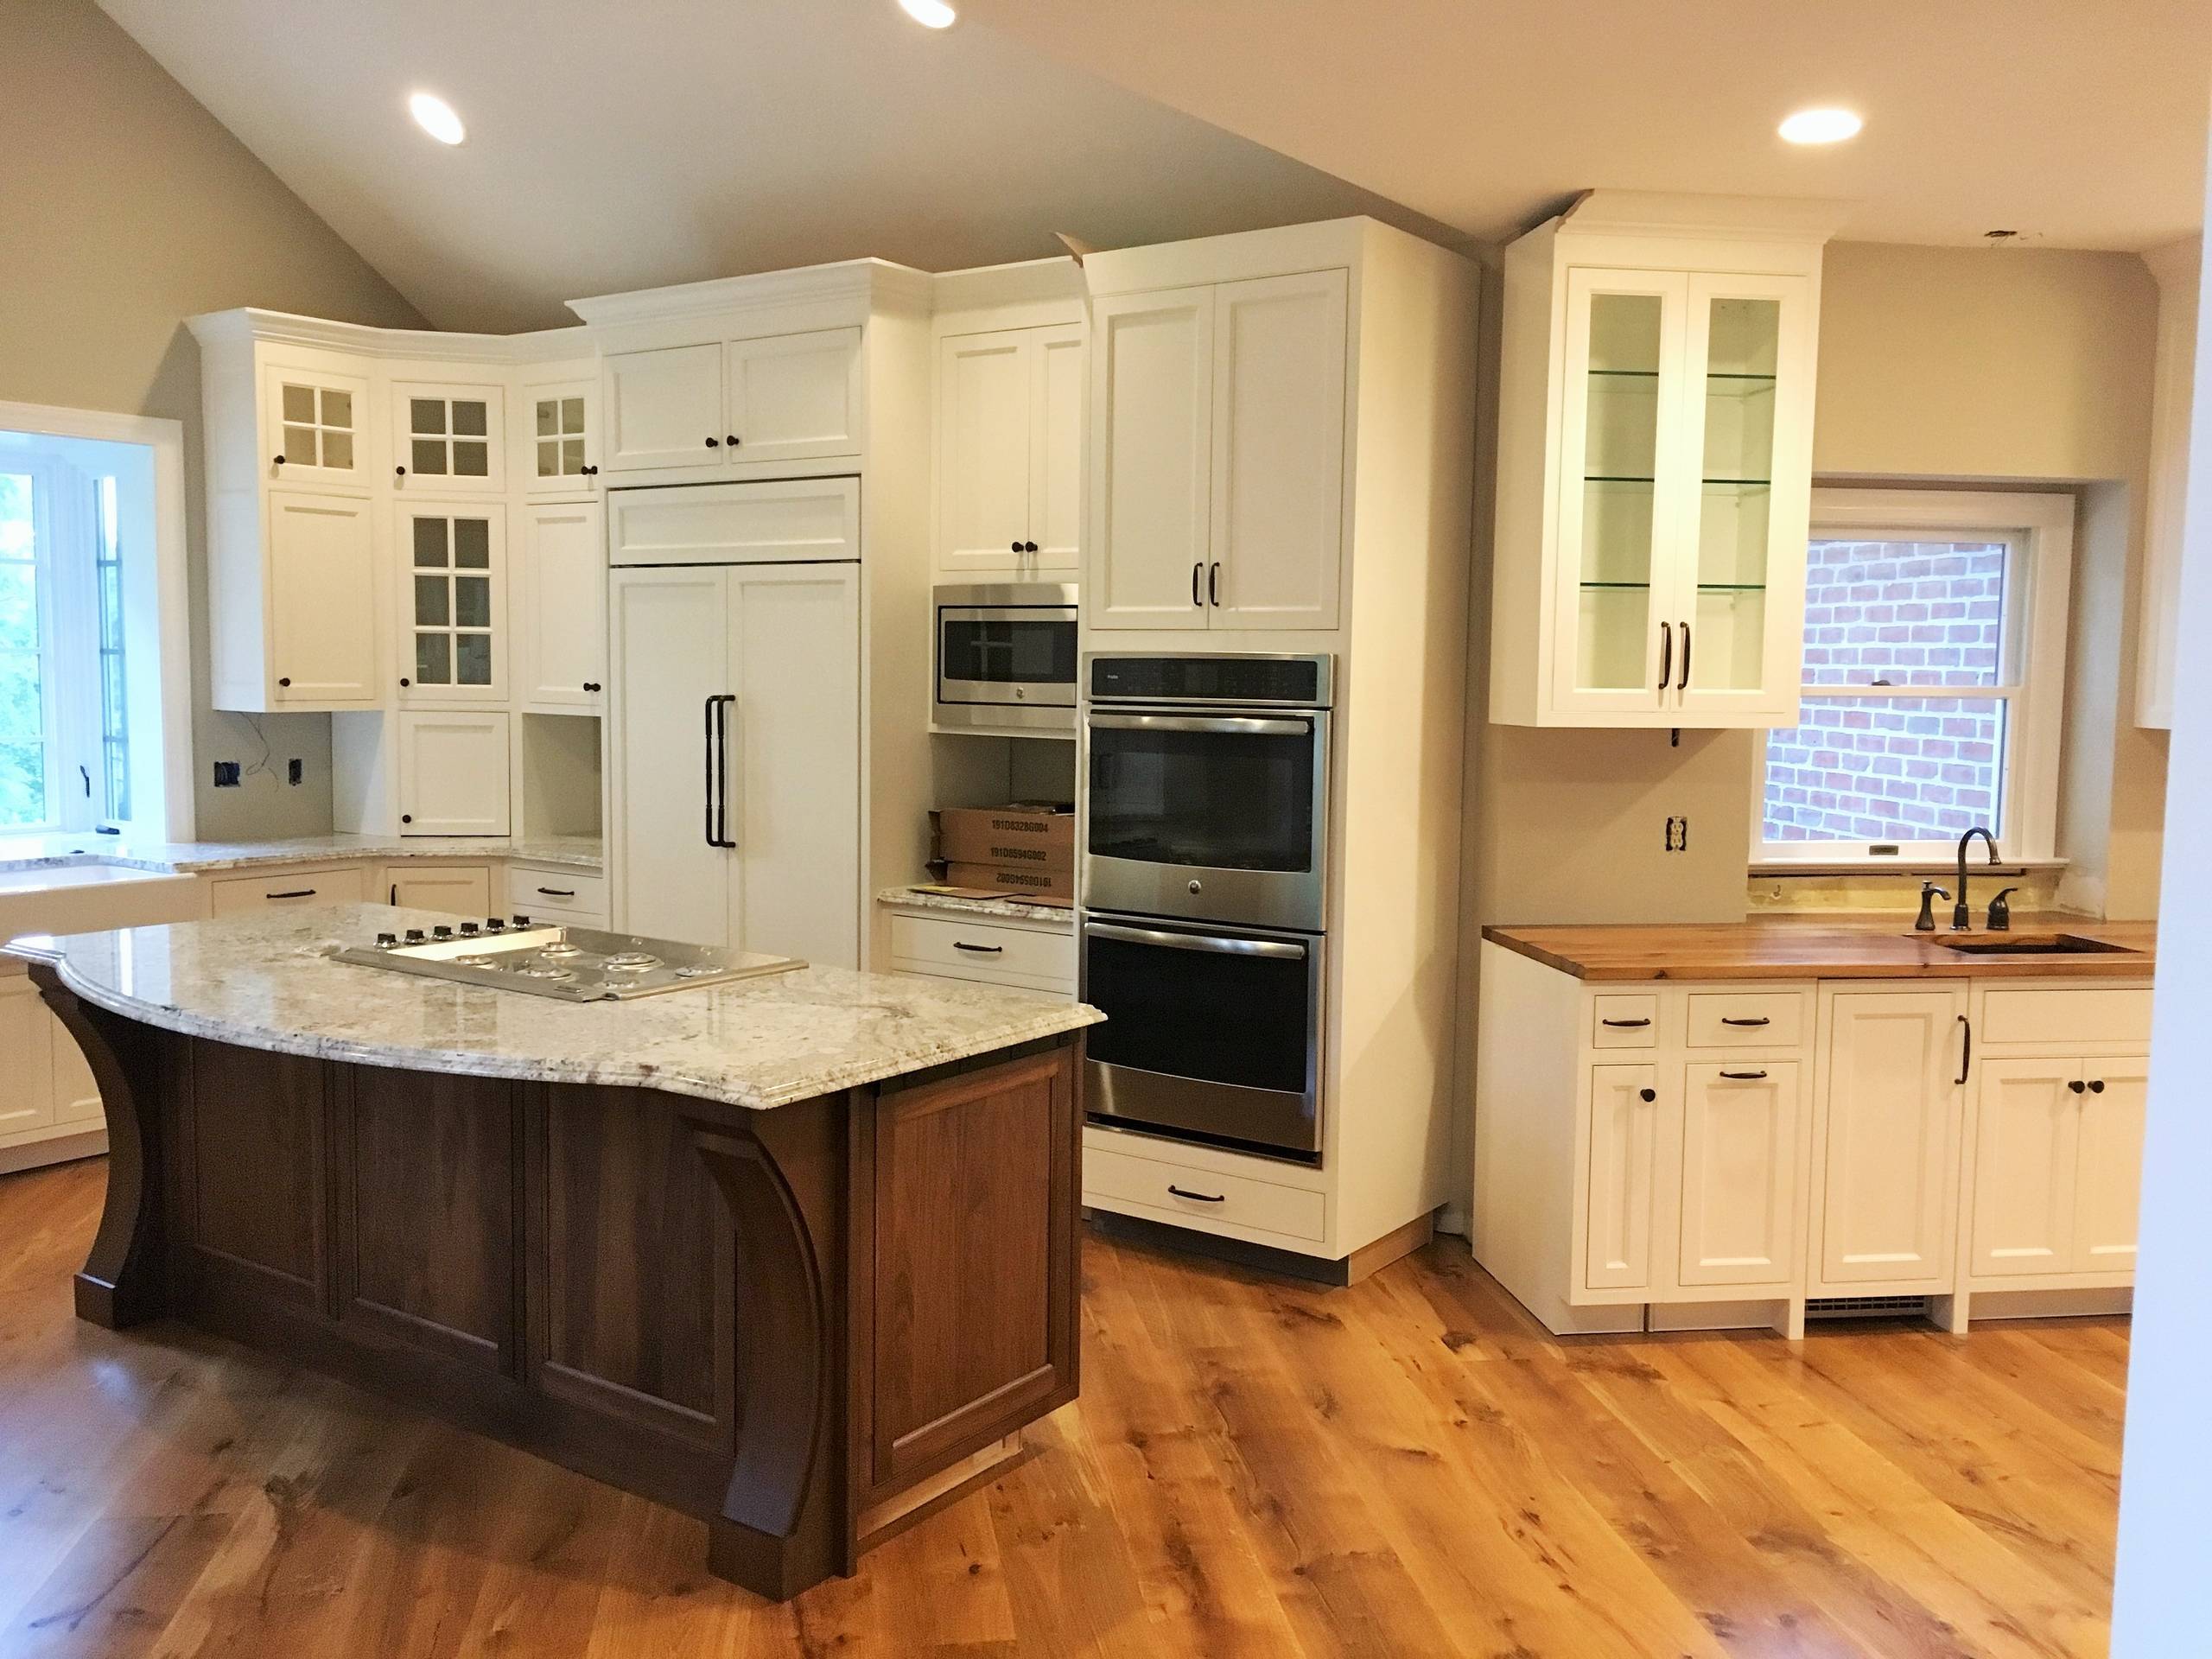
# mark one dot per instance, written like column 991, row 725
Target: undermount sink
column 2034, row 945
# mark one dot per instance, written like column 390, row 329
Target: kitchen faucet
column 1961, row 916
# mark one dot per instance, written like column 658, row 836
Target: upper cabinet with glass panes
column 1654, row 462
column 558, row 450
column 316, row 425
column 448, row 438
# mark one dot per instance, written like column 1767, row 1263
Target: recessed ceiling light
column 1821, row 126
column 930, row 13
column 436, row 117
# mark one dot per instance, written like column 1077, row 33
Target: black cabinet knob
column 2097, row 1087
column 400, row 471
column 1015, row 548
column 286, row 680
column 731, row 440
column 1647, row 1096
column 591, row 472
column 1029, row 547
column 591, row 685
column 2077, row 1085
column 407, row 817
column 279, row 459
column 713, row 443
column 405, row 681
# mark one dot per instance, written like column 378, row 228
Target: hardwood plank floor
column 1409, row 1466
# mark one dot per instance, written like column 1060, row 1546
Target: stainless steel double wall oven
column 1206, row 894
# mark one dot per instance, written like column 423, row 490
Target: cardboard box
column 1034, row 838
column 1040, row 886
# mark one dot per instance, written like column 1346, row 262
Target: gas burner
column 632, row 962
column 473, row 962
column 561, row 948
column 697, row 970
column 546, row 970
column 574, row 964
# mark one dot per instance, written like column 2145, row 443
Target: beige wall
column 130, row 208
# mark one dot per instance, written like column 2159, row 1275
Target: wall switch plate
column 292, row 771
column 226, row 774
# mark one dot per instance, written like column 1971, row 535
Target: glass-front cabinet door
column 453, row 599
column 1619, row 489
column 448, row 438
column 315, row 425
column 1739, row 593
column 559, row 450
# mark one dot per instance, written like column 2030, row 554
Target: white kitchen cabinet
column 558, row 450
column 449, row 437
column 1655, row 470
column 452, row 587
column 1742, row 1177
column 1009, row 449
column 1887, row 1145
column 777, row 398
column 1625, row 1142
column 294, row 887
column 26, row 1079
column 321, row 585
column 556, row 893
column 456, row 889
column 453, row 774
column 746, row 833
column 315, row 425
column 1038, row 956
column 2108, row 1163
column 561, row 606
column 1218, row 455
column 2058, row 1162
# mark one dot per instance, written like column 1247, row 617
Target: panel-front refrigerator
column 734, row 755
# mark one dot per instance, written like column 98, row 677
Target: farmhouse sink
column 89, row 897
column 2034, row 945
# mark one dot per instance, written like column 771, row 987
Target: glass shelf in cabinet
column 1734, row 483
column 1627, row 586
column 1731, row 586
column 1615, row 478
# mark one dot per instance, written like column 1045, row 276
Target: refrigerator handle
column 718, row 770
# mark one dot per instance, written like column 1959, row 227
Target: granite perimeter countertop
column 193, row 857
column 1875, row 947
column 1006, row 910
column 264, row 979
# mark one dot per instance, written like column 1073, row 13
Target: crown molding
column 1654, row 212
column 866, row 280
column 251, row 324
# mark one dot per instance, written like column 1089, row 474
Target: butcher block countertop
column 1883, row 947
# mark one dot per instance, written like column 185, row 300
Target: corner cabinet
column 1654, row 465
column 1218, row 455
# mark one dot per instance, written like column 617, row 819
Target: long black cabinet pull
column 1213, row 584
column 1201, row 1198
column 1666, row 654
column 1966, row 1049
column 1196, row 597
column 296, row 892
column 1625, row 1024
column 1762, row 1020
column 1686, row 658
column 1742, row 1077
column 556, row 893
column 978, row 950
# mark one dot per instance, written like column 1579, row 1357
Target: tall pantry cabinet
column 1654, row 462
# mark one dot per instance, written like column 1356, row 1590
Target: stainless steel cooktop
column 577, row 965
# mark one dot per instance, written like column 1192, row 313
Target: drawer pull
column 295, row 893
column 979, row 950
column 556, row 893
column 1742, row 1077
column 1761, row 1021
column 1201, row 1197
column 1625, row 1024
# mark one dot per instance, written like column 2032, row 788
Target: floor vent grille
column 1866, row 1307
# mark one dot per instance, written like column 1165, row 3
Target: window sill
column 1770, row 868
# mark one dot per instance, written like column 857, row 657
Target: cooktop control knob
column 441, row 932
column 385, row 941
column 522, row 921
column 495, row 924
column 413, row 936
column 467, row 929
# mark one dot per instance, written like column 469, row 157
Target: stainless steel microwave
column 1006, row 656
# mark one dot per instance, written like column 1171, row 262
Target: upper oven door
column 1006, row 656
column 1217, row 818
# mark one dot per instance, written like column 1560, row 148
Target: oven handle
column 1244, row 725
column 1280, row 950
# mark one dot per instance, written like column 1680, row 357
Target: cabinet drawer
column 980, row 951
column 2042, row 1015
column 340, row 885
column 1746, row 1020
column 1624, row 1022
column 814, row 519
column 1176, row 1191
column 551, row 891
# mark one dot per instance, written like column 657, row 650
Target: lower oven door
column 1211, row 1034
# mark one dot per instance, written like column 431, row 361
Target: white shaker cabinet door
column 322, row 601
column 453, row 774
column 794, row 397
column 984, row 464
column 2027, row 1144
column 562, row 597
column 1278, row 489
column 2109, row 1171
column 1890, row 1155
column 663, row 408
column 791, row 760
column 1742, row 1124
column 1151, row 459
column 669, row 638
column 1623, row 1144
column 1055, row 449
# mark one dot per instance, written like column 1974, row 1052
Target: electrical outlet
column 292, row 771
column 226, row 774
column 1678, row 835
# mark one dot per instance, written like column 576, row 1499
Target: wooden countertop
column 1883, row 947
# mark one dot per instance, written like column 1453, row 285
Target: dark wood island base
column 798, row 1324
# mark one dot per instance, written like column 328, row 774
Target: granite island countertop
column 264, row 980
column 1003, row 909
column 1880, row 946
column 191, row 857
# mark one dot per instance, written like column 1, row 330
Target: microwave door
column 997, row 654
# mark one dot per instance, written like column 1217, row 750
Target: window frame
column 2040, row 524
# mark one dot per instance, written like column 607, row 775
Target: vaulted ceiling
column 623, row 143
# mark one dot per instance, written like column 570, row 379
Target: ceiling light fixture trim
column 930, row 13
column 1822, row 126
column 436, row 117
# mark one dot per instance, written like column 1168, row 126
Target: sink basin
column 2034, row 945
column 83, row 898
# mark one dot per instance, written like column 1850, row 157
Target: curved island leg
column 124, row 1280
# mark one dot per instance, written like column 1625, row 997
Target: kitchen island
column 795, row 1255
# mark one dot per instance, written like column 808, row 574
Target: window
column 1934, row 676
column 65, row 756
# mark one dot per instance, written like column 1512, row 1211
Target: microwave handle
column 1238, row 725
column 1280, row 949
